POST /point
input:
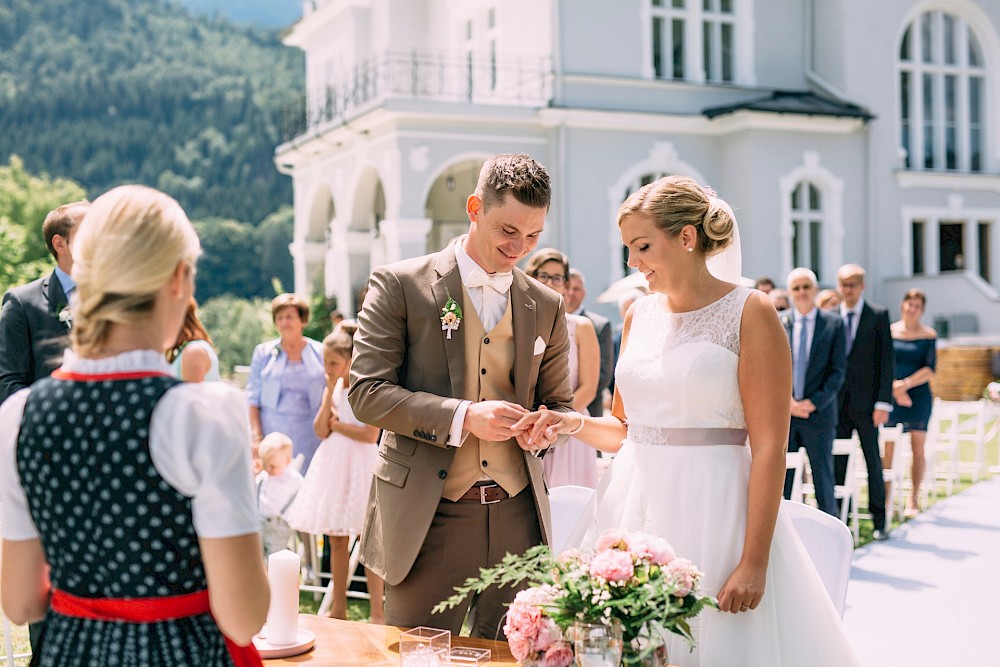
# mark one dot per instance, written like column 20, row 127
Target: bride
column 705, row 368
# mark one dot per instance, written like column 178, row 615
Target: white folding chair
column 794, row 463
column 956, row 426
column 892, row 471
column 567, row 503
column 848, row 492
column 829, row 544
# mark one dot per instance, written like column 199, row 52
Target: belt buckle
column 482, row 494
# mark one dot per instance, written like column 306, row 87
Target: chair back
column 567, row 503
column 794, row 465
column 829, row 544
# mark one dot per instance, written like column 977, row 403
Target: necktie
column 500, row 282
column 802, row 360
column 850, row 330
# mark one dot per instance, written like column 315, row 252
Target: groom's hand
column 491, row 420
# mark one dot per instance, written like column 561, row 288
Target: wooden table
column 344, row 643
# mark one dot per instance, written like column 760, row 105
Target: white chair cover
column 829, row 544
column 568, row 504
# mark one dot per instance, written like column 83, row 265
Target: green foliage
column 139, row 91
column 236, row 326
column 25, row 200
column 274, row 235
column 319, row 317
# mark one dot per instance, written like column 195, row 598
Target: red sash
column 149, row 610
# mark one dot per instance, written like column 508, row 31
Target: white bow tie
column 500, row 282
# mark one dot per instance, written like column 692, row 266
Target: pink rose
column 684, row 575
column 547, row 635
column 613, row 539
column 612, row 565
column 520, row 646
column 650, row 547
column 558, row 655
column 525, row 619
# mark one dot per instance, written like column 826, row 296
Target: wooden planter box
column 963, row 372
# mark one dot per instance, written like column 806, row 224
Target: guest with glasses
column 576, row 292
column 866, row 397
column 573, row 462
column 817, row 341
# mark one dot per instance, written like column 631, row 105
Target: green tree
column 236, row 326
column 274, row 235
column 230, row 261
column 25, row 200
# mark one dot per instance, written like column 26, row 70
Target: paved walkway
column 930, row 595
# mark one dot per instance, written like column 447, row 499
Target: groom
column 452, row 349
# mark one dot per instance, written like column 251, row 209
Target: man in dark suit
column 866, row 397
column 35, row 318
column 817, row 340
column 576, row 292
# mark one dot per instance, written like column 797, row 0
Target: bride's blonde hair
column 673, row 202
column 126, row 248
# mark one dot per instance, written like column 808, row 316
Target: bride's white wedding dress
column 683, row 474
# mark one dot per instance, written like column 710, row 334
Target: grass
column 357, row 610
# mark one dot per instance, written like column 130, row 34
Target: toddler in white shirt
column 277, row 485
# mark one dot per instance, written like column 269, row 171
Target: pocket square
column 539, row 346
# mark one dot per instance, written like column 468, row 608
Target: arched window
column 807, row 227
column 942, row 89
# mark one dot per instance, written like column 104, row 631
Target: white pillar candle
column 283, row 613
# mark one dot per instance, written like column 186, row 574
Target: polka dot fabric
column 111, row 526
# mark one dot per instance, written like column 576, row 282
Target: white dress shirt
column 490, row 306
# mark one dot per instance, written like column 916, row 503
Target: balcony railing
column 423, row 75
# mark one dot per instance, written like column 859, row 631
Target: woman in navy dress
column 129, row 520
column 914, row 345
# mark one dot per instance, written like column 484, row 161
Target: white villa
column 840, row 130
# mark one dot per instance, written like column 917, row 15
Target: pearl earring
column 690, row 249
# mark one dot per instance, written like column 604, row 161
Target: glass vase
column 658, row 658
column 597, row 644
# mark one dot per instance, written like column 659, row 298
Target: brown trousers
column 464, row 536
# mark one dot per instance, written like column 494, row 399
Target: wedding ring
column 744, row 607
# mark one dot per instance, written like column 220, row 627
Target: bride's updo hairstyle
column 673, row 202
column 125, row 250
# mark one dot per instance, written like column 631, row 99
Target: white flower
column 66, row 317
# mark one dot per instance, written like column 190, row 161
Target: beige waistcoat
column 489, row 363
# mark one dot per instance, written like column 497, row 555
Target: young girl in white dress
column 704, row 370
column 334, row 495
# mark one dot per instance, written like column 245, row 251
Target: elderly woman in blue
column 287, row 380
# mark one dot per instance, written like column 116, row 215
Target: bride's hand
column 545, row 425
column 744, row 589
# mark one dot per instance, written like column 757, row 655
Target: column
column 405, row 237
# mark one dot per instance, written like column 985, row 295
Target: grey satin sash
column 690, row 437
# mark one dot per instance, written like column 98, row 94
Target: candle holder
column 424, row 647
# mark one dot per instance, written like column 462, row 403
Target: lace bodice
column 679, row 370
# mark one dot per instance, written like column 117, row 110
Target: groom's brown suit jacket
column 407, row 378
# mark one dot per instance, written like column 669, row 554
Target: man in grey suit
column 576, row 292
column 35, row 318
column 452, row 349
column 819, row 362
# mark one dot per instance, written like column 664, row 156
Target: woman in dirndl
column 129, row 520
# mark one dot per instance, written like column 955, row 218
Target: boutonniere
column 786, row 320
column 451, row 316
column 275, row 351
column 66, row 317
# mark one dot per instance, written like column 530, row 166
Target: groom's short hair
column 515, row 173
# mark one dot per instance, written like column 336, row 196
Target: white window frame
column 830, row 215
column 955, row 211
column 938, row 71
column 695, row 18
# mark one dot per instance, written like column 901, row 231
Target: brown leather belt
column 485, row 494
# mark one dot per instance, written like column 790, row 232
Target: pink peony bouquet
column 632, row 579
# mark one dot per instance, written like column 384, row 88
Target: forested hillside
column 105, row 92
